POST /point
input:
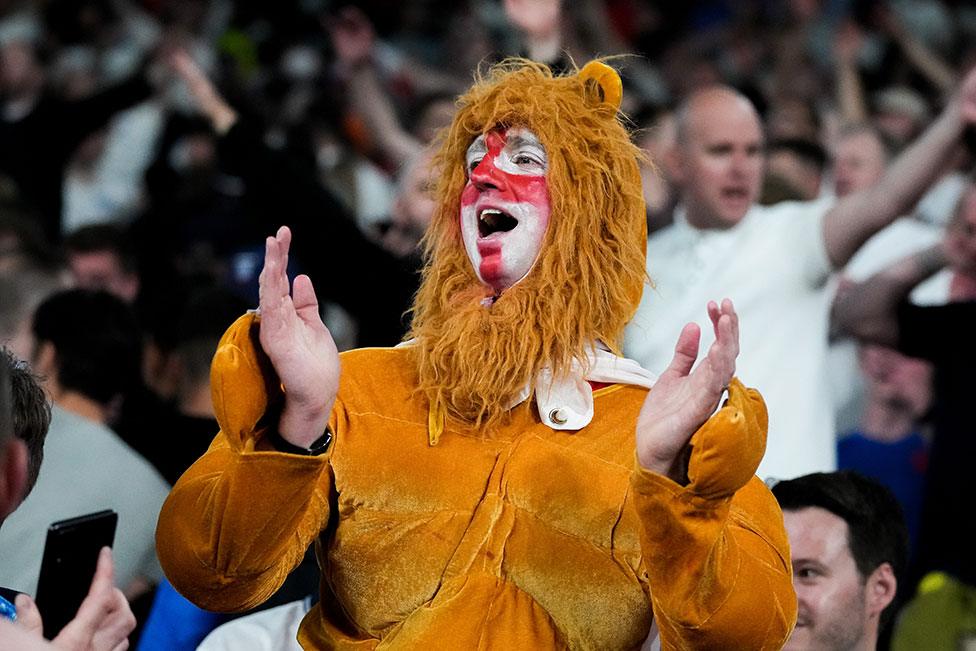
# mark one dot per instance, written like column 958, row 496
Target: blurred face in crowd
column 102, row 270
column 859, row 162
column 436, row 116
column 719, row 158
column 903, row 383
column 801, row 174
column 960, row 238
column 839, row 609
column 505, row 205
column 19, row 70
column 413, row 206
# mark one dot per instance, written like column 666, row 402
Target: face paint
column 505, row 205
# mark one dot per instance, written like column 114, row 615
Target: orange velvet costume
column 511, row 535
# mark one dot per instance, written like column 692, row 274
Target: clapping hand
column 683, row 399
column 298, row 344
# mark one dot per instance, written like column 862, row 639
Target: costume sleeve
column 715, row 551
column 240, row 519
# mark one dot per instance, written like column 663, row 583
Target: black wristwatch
column 318, row 446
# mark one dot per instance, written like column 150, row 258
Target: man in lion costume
column 502, row 479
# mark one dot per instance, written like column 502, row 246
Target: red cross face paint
column 505, row 205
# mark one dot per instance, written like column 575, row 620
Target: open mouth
column 492, row 220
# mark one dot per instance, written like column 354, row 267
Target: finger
column 104, row 578
column 685, row 350
column 729, row 308
column 284, row 241
column 28, row 616
column 306, row 303
column 721, row 356
column 714, row 312
column 272, row 282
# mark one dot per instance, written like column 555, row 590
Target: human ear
column 676, row 162
column 13, row 475
column 880, row 588
column 44, row 359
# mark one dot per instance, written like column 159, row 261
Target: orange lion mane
column 474, row 357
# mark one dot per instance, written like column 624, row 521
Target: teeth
column 492, row 220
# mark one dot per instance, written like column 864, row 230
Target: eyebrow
column 478, row 145
column 518, row 141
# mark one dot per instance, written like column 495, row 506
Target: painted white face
column 505, row 205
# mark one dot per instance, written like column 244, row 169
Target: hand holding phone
column 71, row 557
column 103, row 621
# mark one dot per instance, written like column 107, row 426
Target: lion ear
column 602, row 83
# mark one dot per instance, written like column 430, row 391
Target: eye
column 807, row 574
column 473, row 162
column 526, row 159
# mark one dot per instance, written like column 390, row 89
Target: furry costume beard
column 474, row 356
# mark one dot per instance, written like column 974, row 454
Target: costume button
column 558, row 416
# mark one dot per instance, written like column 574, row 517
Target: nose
column 740, row 163
column 486, row 176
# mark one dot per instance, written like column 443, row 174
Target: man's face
column 859, row 163
column 721, row 161
column 505, row 205
column 829, row 589
column 902, row 383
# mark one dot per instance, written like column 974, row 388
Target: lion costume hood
column 476, row 352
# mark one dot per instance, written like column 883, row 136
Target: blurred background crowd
column 147, row 147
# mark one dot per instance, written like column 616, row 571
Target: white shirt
column 773, row 265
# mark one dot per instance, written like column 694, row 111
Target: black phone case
column 70, row 558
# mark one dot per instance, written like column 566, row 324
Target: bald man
column 773, row 261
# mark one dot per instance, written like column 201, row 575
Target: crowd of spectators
column 147, row 147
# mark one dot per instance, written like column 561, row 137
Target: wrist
column 674, row 467
column 303, row 426
column 317, row 447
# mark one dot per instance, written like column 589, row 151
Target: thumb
column 685, row 351
column 305, row 301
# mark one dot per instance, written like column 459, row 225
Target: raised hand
column 299, row 345
column 537, row 18
column 202, row 90
column 352, row 36
column 848, row 41
column 683, row 399
column 539, row 21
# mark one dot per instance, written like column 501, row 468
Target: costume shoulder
column 377, row 376
column 244, row 385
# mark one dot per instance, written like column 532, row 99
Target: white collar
column 566, row 403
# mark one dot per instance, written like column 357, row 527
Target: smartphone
column 70, row 556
